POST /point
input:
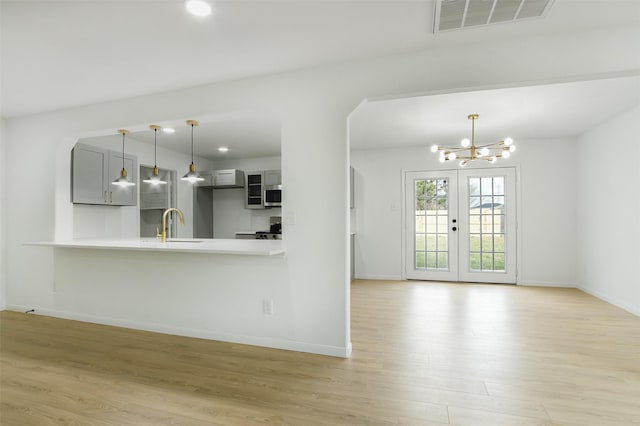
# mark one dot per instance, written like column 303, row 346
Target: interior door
column 431, row 206
column 460, row 225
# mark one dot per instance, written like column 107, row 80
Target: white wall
column 546, row 213
column 311, row 308
column 3, row 168
column 311, row 281
column 124, row 221
column 545, row 209
column 608, row 213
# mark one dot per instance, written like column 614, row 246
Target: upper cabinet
column 254, row 190
column 93, row 169
column 272, row 177
column 259, row 191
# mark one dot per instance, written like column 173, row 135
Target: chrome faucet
column 163, row 235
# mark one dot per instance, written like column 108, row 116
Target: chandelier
column 470, row 151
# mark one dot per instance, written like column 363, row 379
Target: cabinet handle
column 106, row 200
column 110, row 197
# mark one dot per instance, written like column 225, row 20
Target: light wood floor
column 424, row 354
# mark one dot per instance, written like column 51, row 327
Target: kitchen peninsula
column 187, row 245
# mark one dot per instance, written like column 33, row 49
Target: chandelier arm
column 496, row 145
column 452, row 149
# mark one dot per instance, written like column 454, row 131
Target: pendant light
column 192, row 176
column 154, row 179
column 123, row 180
column 472, row 152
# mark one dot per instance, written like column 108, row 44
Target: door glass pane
column 474, row 261
column 431, row 223
column 486, row 224
column 431, row 260
column 431, row 242
column 443, row 260
column 486, row 187
column 443, row 243
column 474, row 186
column 442, row 224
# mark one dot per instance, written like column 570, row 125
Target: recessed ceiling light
column 198, row 7
column 168, row 130
column 223, row 149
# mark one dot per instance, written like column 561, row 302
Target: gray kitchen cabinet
column 92, row 171
column 254, row 190
column 272, row 177
column 255, row 184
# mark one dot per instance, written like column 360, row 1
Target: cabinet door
column 119, row 195
column 253, row 190
column 89, row 175
column 272, row 177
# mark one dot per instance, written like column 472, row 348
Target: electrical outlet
column 267, row 306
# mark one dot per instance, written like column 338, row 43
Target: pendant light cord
column 122, row 151
column 192, row 144
column 473, row 132
column 155, row 148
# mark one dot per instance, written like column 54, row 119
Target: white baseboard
column 546, row 284
column 379, row 277
column 336, row 351
column 631, row 309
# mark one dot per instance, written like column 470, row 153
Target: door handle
column 454, row 229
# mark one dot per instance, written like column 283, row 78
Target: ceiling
column 58, row 54
column 259, row 139
column 533, row 112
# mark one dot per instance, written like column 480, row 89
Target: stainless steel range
column 274, row 232
column 263, row 235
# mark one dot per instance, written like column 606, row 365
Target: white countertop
column 182, row 245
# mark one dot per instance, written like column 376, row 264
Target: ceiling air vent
column 459, row 14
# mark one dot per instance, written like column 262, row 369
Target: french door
column 460, row 225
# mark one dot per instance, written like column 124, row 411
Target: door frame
column 451, row 274
column 518, row 215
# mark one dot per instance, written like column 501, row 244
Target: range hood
column 222, row 179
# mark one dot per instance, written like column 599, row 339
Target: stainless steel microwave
column 273, row 196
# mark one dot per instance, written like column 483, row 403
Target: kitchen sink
column 171, row 240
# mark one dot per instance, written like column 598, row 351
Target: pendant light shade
column 123, row 180
column 154, row 178
column 192, row 176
